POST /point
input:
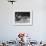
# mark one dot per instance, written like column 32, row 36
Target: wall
column 37, row 30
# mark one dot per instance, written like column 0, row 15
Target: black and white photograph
column 23, row 18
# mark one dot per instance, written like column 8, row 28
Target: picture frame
column 22, row 18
